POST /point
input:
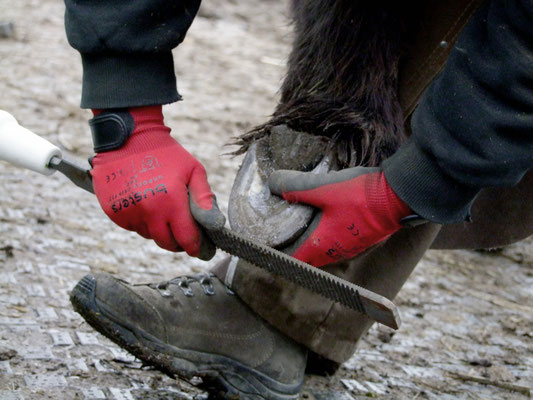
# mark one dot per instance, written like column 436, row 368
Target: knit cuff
column 128, row 80
column 419, row 181
column 383, row 201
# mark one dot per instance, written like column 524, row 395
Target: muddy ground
column 465, row 314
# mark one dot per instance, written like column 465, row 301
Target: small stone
column 121, row 355
column 70, row 315
column 7, row 30
column 45, row 381
column 102, row 366
column 87, row 338
column 121, row 394
column 500, row 373
column 325, row 395
column 38, row 353
column 385, row 335
column 61, row 338
column 8, row 250
column 354, row 386
column 78, row 367
column 480, row 363
column 375, row 388
column 35, row 290
column 93, row 393
column 209, row 13
column 47, row 313
column 5, row 368
column 7, row 354
column 7, row 277
column 75, row 265
column 10, row 395
column 26, row 267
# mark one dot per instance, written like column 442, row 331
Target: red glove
column 144, row 186
column 358, row 210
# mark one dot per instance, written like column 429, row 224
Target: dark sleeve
column 126, row 48
column 474, row 125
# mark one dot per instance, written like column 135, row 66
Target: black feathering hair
column 341, row 79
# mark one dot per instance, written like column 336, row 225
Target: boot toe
column 116, row 300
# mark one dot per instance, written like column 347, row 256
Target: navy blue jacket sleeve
column 125, row 48
column 474, row 125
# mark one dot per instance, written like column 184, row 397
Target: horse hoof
column 257, row 213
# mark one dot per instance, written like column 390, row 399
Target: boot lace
column 205, row 280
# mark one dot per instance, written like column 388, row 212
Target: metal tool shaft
column 78, row 175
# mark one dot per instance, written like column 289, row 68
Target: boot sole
column 222, row 377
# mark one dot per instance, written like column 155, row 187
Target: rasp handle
column 23, row 148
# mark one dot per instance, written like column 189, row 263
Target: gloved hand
column 357, row 210
column 151, row 184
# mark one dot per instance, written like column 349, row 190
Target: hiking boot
column 195, row 327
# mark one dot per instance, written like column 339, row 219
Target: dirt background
column 463, row 312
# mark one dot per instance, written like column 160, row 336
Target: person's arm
column 145, row 181
column 472, row 129
column 474, row 126
column 125, row 48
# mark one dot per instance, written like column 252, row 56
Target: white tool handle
column 23, row 148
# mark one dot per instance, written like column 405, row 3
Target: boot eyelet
column 185, row 288
column 209, row 290
column 161, row 288
column 207, row 285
